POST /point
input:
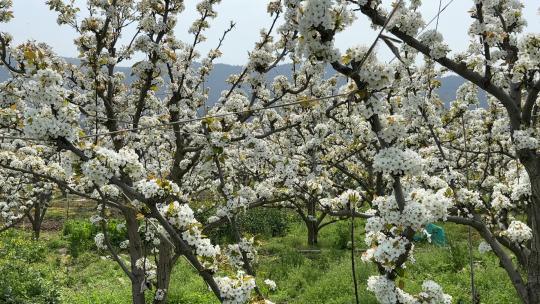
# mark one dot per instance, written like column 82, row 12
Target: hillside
column 216, row 81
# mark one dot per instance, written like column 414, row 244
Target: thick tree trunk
column 533, row 260
column 137, row 297
column 135, row 253
column 36, row 228
column 312, row 232
column 311, row 223
column 165, row 264
column 36, row 219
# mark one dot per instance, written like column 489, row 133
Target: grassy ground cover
column 49, row 271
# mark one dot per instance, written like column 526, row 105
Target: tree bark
column 135, row 253
column 40, row 208
column 312, row 233
column 533, row 260
column 137, row 297
column 166, row 261
column 311, row 223
column 36, row 228
column 36, row 221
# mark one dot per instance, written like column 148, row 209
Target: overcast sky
column 33, row 20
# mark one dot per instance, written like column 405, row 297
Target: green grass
column 326, row 277
column 302, row 277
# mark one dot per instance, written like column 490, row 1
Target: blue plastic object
column 436, row 234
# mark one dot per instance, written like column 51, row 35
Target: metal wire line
column 438, row 15
column 372, row 47
column 435, row 18
column 180, row 122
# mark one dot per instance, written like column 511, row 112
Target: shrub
column 342, row 235
column 15, row 246
column 458, row 255
column 20, row 282
column 339, row 234
column 267, row 222
column 80, row 234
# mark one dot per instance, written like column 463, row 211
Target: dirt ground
column 60, row 211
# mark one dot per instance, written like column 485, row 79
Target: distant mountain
column 216, row 81
column 449, row 86
column 3, row 74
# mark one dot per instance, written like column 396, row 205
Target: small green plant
column 458, row 255
column 342, row 235
column 80, row 235
column 264, row 222
column 20, row 282
column 16, row 245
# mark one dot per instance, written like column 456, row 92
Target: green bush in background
column 263, row 222
column 342, row 235
column 20, row 283
column 80, row 234
column 266, row 222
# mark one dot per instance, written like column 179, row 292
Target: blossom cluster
column 236, row 290
column 484, row 247
column 518, row 232
column 394, row 127
column 318, row 22
column 182, row 218
column 156, row 188
column 149, row 268
column 437, row 48
column 407, row 20
column 387, row 292
column 397, row 162
column 108, row 163
column 498, row 18
column 386, row 250
column 5, row 13
column 271, row 284
column 525, row 139
column 384, row 228
column 99, row 240
column 235, row 252
column 47, row 113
